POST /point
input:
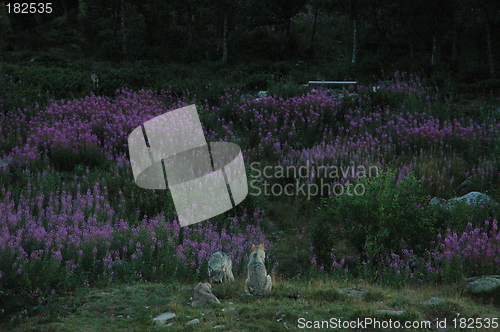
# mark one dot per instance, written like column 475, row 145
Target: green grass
column 132, row 307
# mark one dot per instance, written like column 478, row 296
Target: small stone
column 203, row 295
column 163, row 318
column 193, row 321
column 218, row 326
column 390, row 312
column 5, row 162
column 262, row 94
column 433, row 300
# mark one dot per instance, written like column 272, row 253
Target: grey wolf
column 258, row 282
column 220, row 268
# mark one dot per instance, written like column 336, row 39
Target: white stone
column 472, row 198
column 391, row 312
column 163, row 318
column 193, row 321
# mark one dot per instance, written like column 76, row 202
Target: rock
column 487, row 285
column 433, row 301
column 5, row 162
column 390, row 312
column 193, row 321
column 203, row 295
column 354, row 292
column 473, row 198
column 218, row 326
column 163, row 318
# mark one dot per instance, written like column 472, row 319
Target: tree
column 285, row 10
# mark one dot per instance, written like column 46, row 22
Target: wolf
column 258, row 282
column 203, row 295
column 220, row 268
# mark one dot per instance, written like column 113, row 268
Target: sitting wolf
column 203, row 295
column 220, row 268
column 258, row 282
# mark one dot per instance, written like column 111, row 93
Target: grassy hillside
column 81, row 244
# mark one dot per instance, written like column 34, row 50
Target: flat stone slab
column 163, row 318
column 433, row 300
column 193, row 321
column 390, row 312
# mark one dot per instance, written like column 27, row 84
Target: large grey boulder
column 484, row 289
column 474, row 198
column 481, row 285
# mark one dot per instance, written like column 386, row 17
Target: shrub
column 389, row 217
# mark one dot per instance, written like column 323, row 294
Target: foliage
column 390, row 216
column 69, row 206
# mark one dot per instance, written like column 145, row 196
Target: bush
column 389, row 217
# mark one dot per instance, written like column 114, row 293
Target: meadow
column 72, row 218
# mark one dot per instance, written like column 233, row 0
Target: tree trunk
column 454, row 48
column 190, row 27
column 354, row 41
column 286, row 36
column 225, row 29
column 313, row 35
column 491, row 60
column 124, row 30
column 434, row 55
column 190, row 33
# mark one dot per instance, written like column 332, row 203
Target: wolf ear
column 261, row 246
column 252, row 246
